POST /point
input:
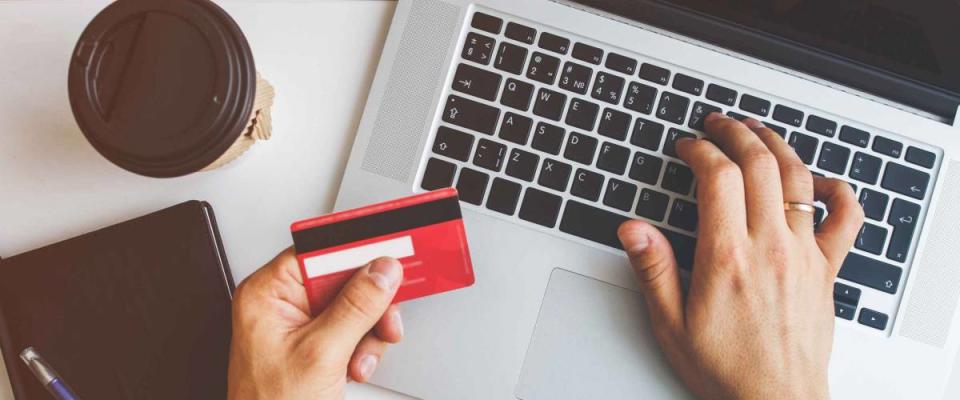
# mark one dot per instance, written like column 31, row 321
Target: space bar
column 601, row 226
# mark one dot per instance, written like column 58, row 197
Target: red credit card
column 425, row 232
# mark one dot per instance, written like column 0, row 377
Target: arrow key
column 873, row 319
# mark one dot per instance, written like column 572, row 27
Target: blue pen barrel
column 60, row 390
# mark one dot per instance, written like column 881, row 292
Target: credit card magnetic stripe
column 374, row 225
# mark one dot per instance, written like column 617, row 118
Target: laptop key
column 486, row 22
column 905, row 180
column 548, row 138
column 818, row 214
column 822, row 126
column 805, row 146
column 721, row 94
column 689, row 84
column 582, row 114
column 920, row 157
column 854, row 136
column 477, row 82
column 788, row 115
column 613, row 158
column 647, row 134
column 754, row 105
column 575, row 77
column 672, row 107
column 683, row 215
column 453, row 143
column 619, row 194
column 874, row 203
column 652, row 205
column 888, row 147
column 522, row 164
column 865, row 168
column 471, row 114
column 517, row 94
column 844, row 311
column 640, row 98
column 490, row 155
column 478, row 48
column 504, row 196
column 778, row 129
column 873, row 319
column 870, row 273
column 904, row 217
column 621, row 63
column 540, row 207
column 600, row 226
column 543, row 68
column 549, row 104
column 614, row 124
column 670, row 145
column 699, row 114
column 737, row 116
column 833, row 158
column 654, row 73
column 585, row 52
column 871, row 238
column 438, row 174
column 586, row 184
column 846, row 294
column 646, row 168
column 677, row 178
column 472, row 186
column 554, row 175
column 520, row 33
column 510, row 58
column 608, row 87
column 580, row 148
column 515, row 128
column 554, row 43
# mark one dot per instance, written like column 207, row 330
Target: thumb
column 656, row 268
column 360, row 304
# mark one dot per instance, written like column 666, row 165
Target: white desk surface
column 319, row 55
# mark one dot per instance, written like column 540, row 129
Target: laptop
column 556, row 121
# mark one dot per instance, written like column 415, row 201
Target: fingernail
column 753, row 124
column 368, row 364
column 715, row 115
column 638, row 243
column 398, row 321
column 385, row 273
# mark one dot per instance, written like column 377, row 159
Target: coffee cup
column 165, row 88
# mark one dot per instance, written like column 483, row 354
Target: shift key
column 470, row 114
column 871, row 273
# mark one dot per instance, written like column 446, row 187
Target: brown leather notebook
column 138, row 310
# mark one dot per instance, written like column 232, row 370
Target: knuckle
column 759, row 157
column 798, row 173
column 358, row 301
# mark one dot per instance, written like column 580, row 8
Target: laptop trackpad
column 593, row 341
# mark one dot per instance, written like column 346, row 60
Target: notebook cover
column 138, row 310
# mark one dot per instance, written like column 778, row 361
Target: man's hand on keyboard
column 757, row 321
column 280, row 352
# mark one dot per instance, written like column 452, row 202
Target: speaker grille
column 936, row 289
column 407, row 104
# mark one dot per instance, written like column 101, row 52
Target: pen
column 47, row 376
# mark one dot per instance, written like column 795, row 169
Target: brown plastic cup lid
column 162, row 87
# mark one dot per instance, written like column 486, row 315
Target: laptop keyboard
column 551, row 130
